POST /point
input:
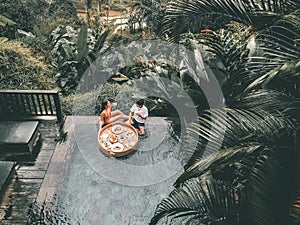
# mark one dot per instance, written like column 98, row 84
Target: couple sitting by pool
column 137, row 116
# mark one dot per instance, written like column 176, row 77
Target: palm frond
column 200, row 203
column 191, row 12
column 277, row 51
column 259, row 172
column 260, row 14
column 268, row 186
column 285, row 78
column 279, row 46
column 294, row 212
column 279, row 103
column 217, row 162
column 223, row 128
column 230, row 46
column 281, row 6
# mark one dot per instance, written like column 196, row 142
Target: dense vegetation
column 250, row 176
column 245, row 168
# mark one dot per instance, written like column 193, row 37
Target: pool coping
column 56, row 165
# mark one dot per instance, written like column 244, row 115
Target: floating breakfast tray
column 117, row 139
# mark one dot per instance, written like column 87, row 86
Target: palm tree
column 252, row 176
column 258, row 13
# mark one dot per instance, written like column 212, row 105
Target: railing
column 29, row 103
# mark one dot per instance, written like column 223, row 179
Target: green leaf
column 4, row 21
column 81, row 43
column 100, row 41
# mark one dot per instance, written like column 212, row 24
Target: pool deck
column 26, row 181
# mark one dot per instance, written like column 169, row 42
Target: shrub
column 21, row 69
column 89, row 103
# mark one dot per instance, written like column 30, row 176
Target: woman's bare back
column 106, row 116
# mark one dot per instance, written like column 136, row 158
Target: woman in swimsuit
column 108, row 116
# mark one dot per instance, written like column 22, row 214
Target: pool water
column 101, row 190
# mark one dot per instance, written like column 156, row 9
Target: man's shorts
column 137, row 124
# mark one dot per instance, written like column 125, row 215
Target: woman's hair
column 104, row 104
column 140, row 102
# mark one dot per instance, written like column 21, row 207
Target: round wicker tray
column 117, row 139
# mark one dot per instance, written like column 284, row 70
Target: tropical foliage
column 152, row 12
column 244, row 167
column 74, row 51
column 31, row 10
column 27, row 15
column 20, row 69
column 63, row 9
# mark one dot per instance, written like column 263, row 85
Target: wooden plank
column 19, row 213
column 31, row 174
column 28, row 182
column 26, row 190
column 50, row 104
column 39, row 104
column 45, row 154
column 13, row 222
column 48, row 146
column 37, row 160
column 23, row 103
column 29, row 91
column 18, row 158
column 25, row 195
column 45, row 104
column 42, row 166
column 49, row 129
column 18, row 105
column 34, row 104
column 28, row 104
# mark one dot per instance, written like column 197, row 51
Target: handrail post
column 58, row 108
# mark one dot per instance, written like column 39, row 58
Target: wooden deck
column 30, row 171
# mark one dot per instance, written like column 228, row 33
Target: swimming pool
column 95, row 189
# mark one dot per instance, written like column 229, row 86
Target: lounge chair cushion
column 18, row 135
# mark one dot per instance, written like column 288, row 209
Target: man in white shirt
column 138, row 115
